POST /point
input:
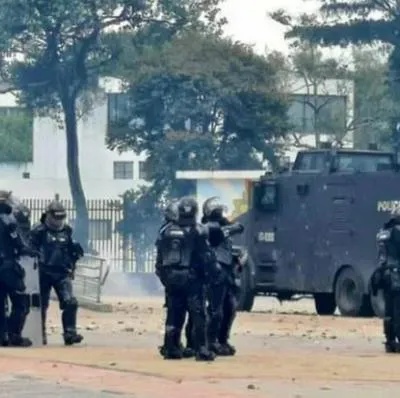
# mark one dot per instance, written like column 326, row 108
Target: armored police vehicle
column 312, row 230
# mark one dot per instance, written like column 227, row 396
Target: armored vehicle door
column 298, row 220
column 262, row 237
column 335, row 225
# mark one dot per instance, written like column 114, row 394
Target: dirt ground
column 283, row 352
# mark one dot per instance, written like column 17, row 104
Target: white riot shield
column 33, row 326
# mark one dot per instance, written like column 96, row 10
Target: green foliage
column 141, row 220
column 64, row 48
column 359, row 23
column 16, row 135
column 345, row 22
column 352, row 22
column 202, row 102
column 309, row 69
column 374, row 106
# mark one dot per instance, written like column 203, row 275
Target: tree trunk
column 81, row 230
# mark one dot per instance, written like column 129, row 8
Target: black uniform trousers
column 391, row 322
column 222, row 307
column 62, row 284
column 185, row 293
column 11, row 326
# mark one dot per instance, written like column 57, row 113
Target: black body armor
column 389, row 246
column 220, row 240
column 387, row 276
column 175, row 246
column 11, row 245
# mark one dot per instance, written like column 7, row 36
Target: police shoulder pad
column 383, row 234
column 174, row 232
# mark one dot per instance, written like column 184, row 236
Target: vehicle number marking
column 266, row 237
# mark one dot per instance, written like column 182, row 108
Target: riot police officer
column 22, row 216
column 12, row 275
column 387, row 278
column 184, row 260
column 52, row 237
column 222, row 291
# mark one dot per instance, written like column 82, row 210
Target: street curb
column 98, row 307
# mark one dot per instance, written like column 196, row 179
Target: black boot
column 390, row 347
column 216, row 348
column 227, row 350
column 188, row 352
column 205, row 355
column 44, row 329
column 19, row 341
column 173, row 353
column 390, row 337
column 172, row 348
column 68, row 318
column 72, row 337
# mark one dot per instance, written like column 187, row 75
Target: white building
column 321, row 111
column 107, row 174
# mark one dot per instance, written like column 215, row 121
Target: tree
column 142, row 217
column 202, row 102
column 373, row 106
column 16, row 135
column 61, row 49
column 320, row 109
column 352, row 22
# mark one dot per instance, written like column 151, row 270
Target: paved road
column 283, row 352
column 29, row 387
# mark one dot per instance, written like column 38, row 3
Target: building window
column 119, row 109
column 123, row 170
column 144, row 170
column 318, row 113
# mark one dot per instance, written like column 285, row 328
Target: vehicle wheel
column 325, row 303
column 349, row 294
column 246, row 295
column 378, row 304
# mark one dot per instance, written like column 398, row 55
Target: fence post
column 98, row 295
column 125, row 236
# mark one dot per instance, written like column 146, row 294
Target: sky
column 248, row 21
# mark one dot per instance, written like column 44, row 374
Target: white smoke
column 132, row 285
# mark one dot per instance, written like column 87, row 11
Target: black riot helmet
column 5, row 202
column 55, row 215
column 171, row 212
column 213, row 209
column 188, row 209
column 23, row 216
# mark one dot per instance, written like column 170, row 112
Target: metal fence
column 90, row 276
column 105, row 240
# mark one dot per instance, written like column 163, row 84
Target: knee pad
column 71, row 304
column 170, row 330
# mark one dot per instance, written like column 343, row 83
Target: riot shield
column 33, row 326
